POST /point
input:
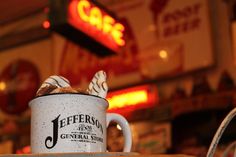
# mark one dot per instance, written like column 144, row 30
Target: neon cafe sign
column 134, row 98
column 88, row 24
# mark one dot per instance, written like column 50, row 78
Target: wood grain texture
column 110, row 154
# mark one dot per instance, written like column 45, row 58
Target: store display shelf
column 218, row 100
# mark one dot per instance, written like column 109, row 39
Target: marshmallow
column 98, row 85
column 58, row 81
column 52, row 82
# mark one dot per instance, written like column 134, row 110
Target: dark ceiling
column 14, row 9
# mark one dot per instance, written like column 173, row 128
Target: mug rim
column 53, row 94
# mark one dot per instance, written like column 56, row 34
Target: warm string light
column 2, row 86
column 46, row 24
column 163, row 54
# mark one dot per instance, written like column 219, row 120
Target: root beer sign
column 87, row 24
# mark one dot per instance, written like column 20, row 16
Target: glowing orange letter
column 107, row 24
column 117, row 34
column 96, row 18
column 82, row 5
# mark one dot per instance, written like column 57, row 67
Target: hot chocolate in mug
column 73, row 123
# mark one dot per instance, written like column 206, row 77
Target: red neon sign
column 96, row 23
column 134, row 98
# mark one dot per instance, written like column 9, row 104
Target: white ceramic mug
column 73, row 123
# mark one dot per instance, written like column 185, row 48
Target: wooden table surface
column 114, row 154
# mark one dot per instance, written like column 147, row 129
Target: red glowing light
column 24, row 150
column 134, row 98
column 46, row 24
column 46, row 10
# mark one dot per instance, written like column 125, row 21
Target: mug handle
column 125, row 129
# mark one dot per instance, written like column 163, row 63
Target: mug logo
column 83, row 132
